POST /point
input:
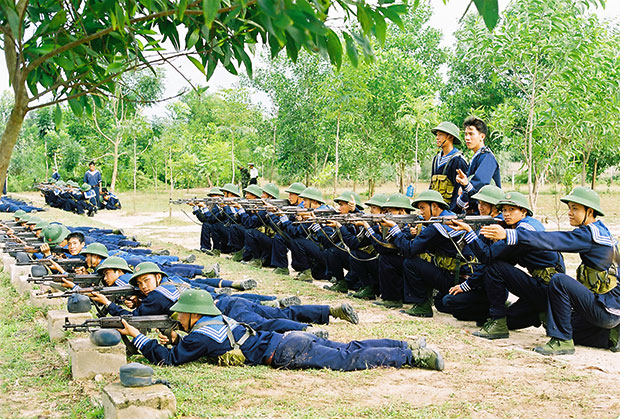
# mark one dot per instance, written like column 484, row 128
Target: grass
column 480, row 379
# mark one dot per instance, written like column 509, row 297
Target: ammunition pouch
column 232, row 358
column 544, row 273
column 368, row 249
column 599, row 282
column 442, row 184
column 427, row 257
column 447, row 263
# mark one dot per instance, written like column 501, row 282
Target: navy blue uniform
column 574, row 311
column 447, row 166
column 293, row 350
column 483, row 169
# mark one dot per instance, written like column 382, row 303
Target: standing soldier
column 447, row 163
column 253, row 174
column 483, row 167
column 93, row 178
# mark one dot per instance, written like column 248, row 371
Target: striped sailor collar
column 214, row 327
column 444, row 230
column 169, row 291
column 601, row 234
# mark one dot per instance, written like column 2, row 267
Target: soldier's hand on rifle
column 131, row 302
column 45, row 249
column 67, row 284
column 332, row 223
column 100, row 298
column 80, row 270
column 56, row 267
column 388, row 223
column 493, row 232
column 362, row 223
column 128, row 330
column 459, row 225
column 165, row 340
column 455, row 290
column 461, row 177
column 415, row 230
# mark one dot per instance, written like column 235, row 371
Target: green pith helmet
column 41, row 225
column 231, row 188
column 114, row 262
column 24, row 218
column 215, row 191
column 313, row 193
column 254, row 190
column 377, row 200
column 397, row 200
column 143, row 269
column 98, row 249
column 430, row 196
column 516, row 199
column 272, row 190
column 586, row 197
column 449, row 128
column 85, row 187
column 348, row 197
column 72, row 183
column 489, row 193
column 33, row 220
column 55, row 233
column 19, row 213
column 196, row 302
column 295, row 188
column 61, row 183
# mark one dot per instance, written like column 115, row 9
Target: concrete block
column 7, row 261
column 37, row 300
column 88, row 360
column 22, row 286
column 17, row 271
column 153, row 402
column 56, row 318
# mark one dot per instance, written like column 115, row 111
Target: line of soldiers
column 129, row 283
column 463, row 265
column 80, row 199
column 8, row 204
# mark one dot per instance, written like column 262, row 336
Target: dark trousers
column 365, row 268
column 302, row 350
column 279, row 252
column 467, row 306
column 337, row 262
column 421, row 277
column 237, row 238
column 253, row 181
column 221, row 237
column 307, row 254
column 391, row 277
column 501, row 278
column 258, row 245
column 205, row 236
column 575, row 313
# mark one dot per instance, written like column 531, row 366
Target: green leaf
column 334, row 49
column 76, row 107
column 351, row 49
column 267, row 6
column 197, row 63
column 58, row 116
column 209, row 11
column 363, row 18
column 193, row 38
column 247, row 62
column 181, row 9
column 13, row 18
column 489, row 11
column 380, row 27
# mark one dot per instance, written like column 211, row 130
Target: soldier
column 109, row 200
column 483, row 167
column 89, row 202
column 221, row 219
column 585, row 311
column 93, row 178
column 281, row 241
column 253, row 174
column 447, row 163
column 202, row 213
column 211, row 334
column 502, row 276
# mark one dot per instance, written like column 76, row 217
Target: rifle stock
column 142, row 323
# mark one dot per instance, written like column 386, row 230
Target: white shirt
column 253, row 173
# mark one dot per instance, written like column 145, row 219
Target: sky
column 445, row 17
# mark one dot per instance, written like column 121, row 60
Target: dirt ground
column 501, row 378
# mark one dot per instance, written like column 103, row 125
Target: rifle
column 400, row 219
column 79, row 279
column 142, row 323
column 65, row 263
column 107, row 291
column 476, row 221
column 207, row 200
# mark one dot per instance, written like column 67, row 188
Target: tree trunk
column 171, row 182
column 232, row 159
column 273, row 162
column 401, row 186
column 11, row 130
column 115, row 167
column 594, row 173
column 417, row 128
column 337, row 153
column 530, row 146
column 135, row 171
column 584, row 163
